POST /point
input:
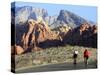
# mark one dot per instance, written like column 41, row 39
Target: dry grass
column 53, row 55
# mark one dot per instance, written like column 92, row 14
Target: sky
column 87, row 12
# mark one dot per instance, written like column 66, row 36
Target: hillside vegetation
column 53, row 55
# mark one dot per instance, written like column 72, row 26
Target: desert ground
column 54, row 59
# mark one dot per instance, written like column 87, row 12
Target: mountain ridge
column 22, row 14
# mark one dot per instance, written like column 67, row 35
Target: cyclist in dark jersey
column 75, row 55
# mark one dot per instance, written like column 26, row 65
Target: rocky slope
column 84, row 35
column 22, row 14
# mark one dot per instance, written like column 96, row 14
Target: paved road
column 57, row 67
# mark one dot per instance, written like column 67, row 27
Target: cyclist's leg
column 75, row 60
column 86, row 63
column 74, row 63
column 85, row 60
